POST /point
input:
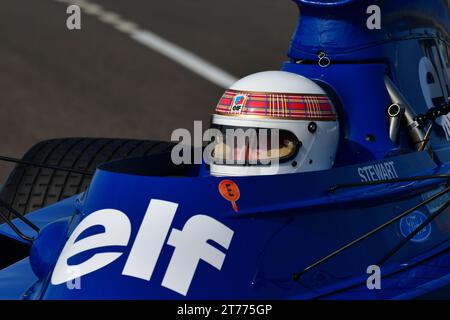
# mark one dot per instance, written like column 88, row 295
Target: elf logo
column 191, row 245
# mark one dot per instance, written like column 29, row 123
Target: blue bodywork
column 286, row 222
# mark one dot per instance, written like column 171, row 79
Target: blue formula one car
column 357, row 207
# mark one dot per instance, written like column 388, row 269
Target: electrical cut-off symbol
column 230, row 191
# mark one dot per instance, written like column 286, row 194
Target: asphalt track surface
column 99, row 82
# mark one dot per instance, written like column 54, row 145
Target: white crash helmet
column 308, row 129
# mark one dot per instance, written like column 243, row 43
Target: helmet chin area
column 271, row 123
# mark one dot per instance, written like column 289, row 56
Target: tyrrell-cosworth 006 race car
column 357, row 206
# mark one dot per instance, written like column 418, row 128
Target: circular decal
column 410, row 223
column 230, row 191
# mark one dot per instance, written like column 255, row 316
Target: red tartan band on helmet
column 277, row 105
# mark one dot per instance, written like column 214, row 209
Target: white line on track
column 152, row 41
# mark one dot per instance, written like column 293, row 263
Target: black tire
column 29, row 188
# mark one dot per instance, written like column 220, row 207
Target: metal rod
column 412, row 234
column 297, row 275
column 46, row 166
column 19, row 216
column 14, row 228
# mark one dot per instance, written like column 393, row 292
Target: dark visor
column 253, row 146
